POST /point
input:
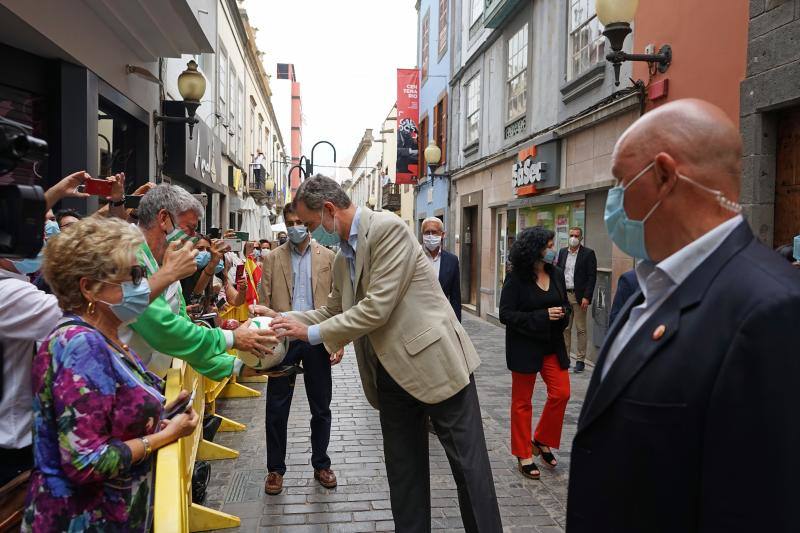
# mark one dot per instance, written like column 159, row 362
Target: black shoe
column 579, row 366
column 530, row 471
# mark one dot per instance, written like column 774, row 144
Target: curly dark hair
column 527, row 250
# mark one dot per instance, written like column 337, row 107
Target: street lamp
column 616, row 17
column 192, row 87
column 311, row 173
column 433, row 156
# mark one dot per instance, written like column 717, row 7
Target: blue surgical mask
column 257, row 253
column 549, row 256
column 31, row 264
column 51, row 228
column 627, row 234
column 297, row 234
column 323, row 236
column 220, row 267
column 202, row 258
column 135, row 299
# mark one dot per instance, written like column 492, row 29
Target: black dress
column 530, row 334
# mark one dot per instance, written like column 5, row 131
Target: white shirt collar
column 682, row 263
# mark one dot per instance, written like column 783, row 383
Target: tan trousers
column 577, row 317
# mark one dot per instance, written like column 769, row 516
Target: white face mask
column 432, row 242
column 574, row 242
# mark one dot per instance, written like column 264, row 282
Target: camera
column 22, row 207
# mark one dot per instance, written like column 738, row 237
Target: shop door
column 469, row 256
column 787, row 179
column 506, row 232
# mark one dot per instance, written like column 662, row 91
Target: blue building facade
column 433, row 60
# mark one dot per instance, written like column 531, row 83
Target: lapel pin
column 659, row 332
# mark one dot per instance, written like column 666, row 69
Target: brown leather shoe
column 326, row 478
column 274, row 484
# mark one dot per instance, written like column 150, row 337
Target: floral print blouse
column 88, row 400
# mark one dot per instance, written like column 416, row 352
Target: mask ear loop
column 639, row 175
column 730, row 205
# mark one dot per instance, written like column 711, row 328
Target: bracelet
column 207, row 272
column 147, row 449
column 118, row 203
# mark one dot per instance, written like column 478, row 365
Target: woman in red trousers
column 533, row 307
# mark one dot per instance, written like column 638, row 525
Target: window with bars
column 517, row 74
column 443, row 14
column 232, row 112
column 586, row 45
column 475, row 11
column 473, row 99
column 425, row 48
column 440, row 127
column 240, row 122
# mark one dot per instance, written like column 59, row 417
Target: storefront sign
column 199, row 158
column 536, row 168
column 407, row 121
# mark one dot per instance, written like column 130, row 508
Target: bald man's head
column 698, row 135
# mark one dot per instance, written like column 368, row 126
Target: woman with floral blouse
column 97, row 410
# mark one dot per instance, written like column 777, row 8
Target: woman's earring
column 90, row 308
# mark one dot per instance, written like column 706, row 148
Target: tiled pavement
column 361, row 502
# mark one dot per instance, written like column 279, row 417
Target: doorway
column 787, row 178
column 470, row 250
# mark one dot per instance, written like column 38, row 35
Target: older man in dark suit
column 444, row 263
column 697, row 385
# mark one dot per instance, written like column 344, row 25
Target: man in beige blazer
column 414, row 357
column 296, row 276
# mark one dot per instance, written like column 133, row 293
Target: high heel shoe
column 548, row 457
column 530, row 471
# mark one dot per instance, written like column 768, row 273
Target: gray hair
column 433, row 219
column 165, row 196
column 317, row 190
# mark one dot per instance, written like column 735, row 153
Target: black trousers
column 457, row 421
column 13, row 462
column 317, row 376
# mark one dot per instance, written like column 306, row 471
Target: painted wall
column 707, row 64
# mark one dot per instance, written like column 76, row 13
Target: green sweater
column 176, row 335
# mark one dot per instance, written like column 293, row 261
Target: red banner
column 407, row 121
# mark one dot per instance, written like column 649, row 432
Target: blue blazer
column 628, row 284
column 450, row 280
column 707, row 387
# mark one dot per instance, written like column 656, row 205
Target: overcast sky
column 346, row 54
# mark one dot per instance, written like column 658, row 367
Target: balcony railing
column 391, row 197
column 256, row 183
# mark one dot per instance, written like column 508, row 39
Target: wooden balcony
column 391, row 197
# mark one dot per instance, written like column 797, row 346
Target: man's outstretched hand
column 288, row 327
column 262, row 310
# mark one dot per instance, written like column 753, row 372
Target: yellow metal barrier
column 174, row 511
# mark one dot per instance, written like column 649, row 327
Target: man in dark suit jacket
column 626, row 286
column 444, row 263
column 579, row 264
column 697, row 385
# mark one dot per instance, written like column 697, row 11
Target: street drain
column 237, row 488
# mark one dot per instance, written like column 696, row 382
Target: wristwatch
column 119, row 202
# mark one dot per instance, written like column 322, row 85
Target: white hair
column 165, row 196
column 437, row 220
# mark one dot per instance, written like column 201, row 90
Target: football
column 271, row 360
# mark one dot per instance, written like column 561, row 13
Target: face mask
column 323, row 235
column 202, row 259
column 431, row 242
column 135, row 299
column 549, row 256
column 257, row 253
column 220, row 267
column 627, row 234
column 177, row 234
column 297, row 234
column 29, row 265
column 51, row 228
column 574, row 242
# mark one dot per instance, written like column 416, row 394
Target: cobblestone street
column 361, row 502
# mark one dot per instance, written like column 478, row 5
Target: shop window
column 121, row 145
column 473, row 98
column 29, row 110
column 586, row 45
column 517, row 74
